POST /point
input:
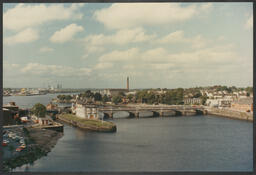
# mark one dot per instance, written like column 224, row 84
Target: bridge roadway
column 158, row 110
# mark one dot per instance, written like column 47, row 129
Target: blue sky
column 97, row 45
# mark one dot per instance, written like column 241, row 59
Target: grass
column 90, row 122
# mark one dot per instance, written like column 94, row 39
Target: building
column 85, row 111
column 12, row 106
column 219, row 103
column 45, row 121
column 127, row 84
column 113, row 92
column 243, row 104
column 51, row 107
column 8, row 117
column 10, row 113
column 192, row 101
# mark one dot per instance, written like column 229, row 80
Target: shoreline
column 227, row 113
column 96, row 126
column 39, row 143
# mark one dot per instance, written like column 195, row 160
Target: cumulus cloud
column 66, row 34
column 249, row 23
column 54, row 70
column 178, row 37
column 103, row 65
column 24, row 15
column 121, row 37
column 127, row 15
column 206, row 6
column 124, row 55
column 24, row 36
column 213, row 55
column 46, row 49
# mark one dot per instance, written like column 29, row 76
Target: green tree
column 97, row 96
column 105, row 98
column 121, row 94
column 39, row 110
column 88, row 94
column 116, row 99
column 130, row 96
column 68, row 97
column 203, row 98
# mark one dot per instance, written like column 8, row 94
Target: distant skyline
column 99, row 45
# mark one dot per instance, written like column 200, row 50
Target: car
column 22, row 141
column 19, row 149
column 6, row 141
column 23, row 146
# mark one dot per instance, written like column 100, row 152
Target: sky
column 97, row 45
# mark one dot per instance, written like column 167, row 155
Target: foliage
column 117, row 99
column 130, row 97
column 39, row 110
column 105, row 98
column 97, row 96
column 64, row 97
column 203, row 98
column 88, row 94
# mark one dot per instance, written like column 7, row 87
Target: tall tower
column 127, row 83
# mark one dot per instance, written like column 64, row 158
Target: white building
column 192, row 101
column 86, row 111
column 219, row 103
column 45, row 121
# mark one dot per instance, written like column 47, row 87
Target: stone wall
column 231, row 114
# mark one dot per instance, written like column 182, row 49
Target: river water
column 198, row 143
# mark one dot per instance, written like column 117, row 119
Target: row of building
column 244, row 104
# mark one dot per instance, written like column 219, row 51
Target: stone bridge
column 157, row 110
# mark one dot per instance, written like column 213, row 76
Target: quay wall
column 231, row 114
column 58, row 128
column 87, row 127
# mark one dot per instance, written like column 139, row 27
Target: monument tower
column 127, row 84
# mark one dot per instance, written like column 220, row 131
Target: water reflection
column 202, row 143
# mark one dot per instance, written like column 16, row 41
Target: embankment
column 38, row 143
column 90, row 125
column 231, row 114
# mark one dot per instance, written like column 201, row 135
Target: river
column 198, row 143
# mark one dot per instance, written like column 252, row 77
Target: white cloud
column 23, row 15
column 116, row 55
column 66, row 34
column 92, row 49
column 127, row 15
column 25, row 36
column 178, row 37
column 206, row 7
column 46, row 49
column 121, row 37
column 249, row 23
column 54, row 70
column 103, row 66
column 160, row 56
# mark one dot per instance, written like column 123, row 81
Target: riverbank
column 90, row 125
column 38, row 143
column 230, row 114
